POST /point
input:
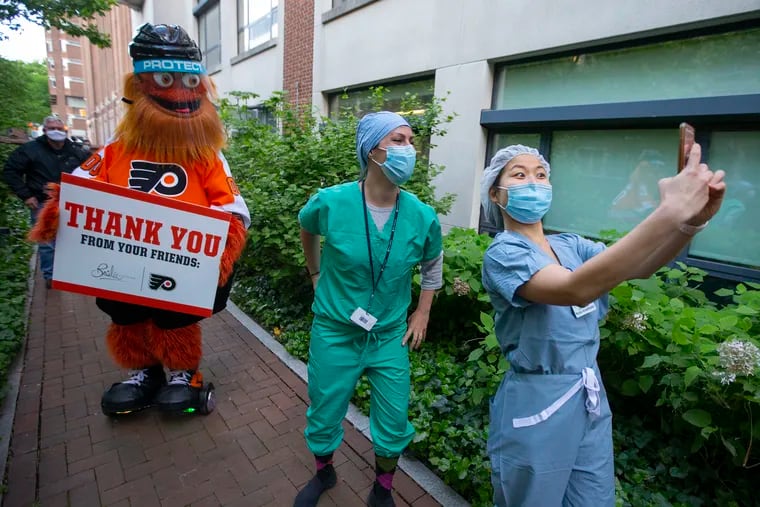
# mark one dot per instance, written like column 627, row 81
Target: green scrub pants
column 338, row 355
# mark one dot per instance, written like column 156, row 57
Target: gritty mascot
column 169, row 144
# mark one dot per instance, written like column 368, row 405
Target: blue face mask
column 399, row 163
column 527, row 203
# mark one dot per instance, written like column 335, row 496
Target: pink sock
column 322, row 464
column 386, row 480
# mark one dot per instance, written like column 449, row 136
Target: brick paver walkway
column 248, row 452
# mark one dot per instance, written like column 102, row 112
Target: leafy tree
column 24, row 93
column 74, row 17
column 24, row 98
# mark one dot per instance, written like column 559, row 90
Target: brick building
column 298, row 35
column 104, row 74
column 66, row 81
column 85, row 81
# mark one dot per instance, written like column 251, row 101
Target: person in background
column 640, row 196
column 550, row 436
column 374, row 234
column 32, row 166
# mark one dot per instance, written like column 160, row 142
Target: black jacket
column 32, row 166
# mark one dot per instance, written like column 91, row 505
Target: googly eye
column 191, row 80
column 163, row 79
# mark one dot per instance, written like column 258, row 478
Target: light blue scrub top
column 337, row 214
column 538, row 338
column 550, row 411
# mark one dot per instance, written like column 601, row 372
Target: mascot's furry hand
column 236, row 237
column 46, row 227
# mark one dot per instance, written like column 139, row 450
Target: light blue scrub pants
column 566, row 460
column 45, row 251
column 338, row 355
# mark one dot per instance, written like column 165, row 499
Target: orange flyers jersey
column 209, row 185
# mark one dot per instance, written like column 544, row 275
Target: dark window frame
column 707, row 114
column 330, row 94
column 200, row 12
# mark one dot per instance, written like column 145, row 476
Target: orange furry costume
column 168, row 143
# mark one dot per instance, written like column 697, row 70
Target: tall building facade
column 85, row 81
column 600, row 88
column 104, row 71
column 66, row 81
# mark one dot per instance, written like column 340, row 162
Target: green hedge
column 15, row 253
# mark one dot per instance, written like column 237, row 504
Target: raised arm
column 687, row 200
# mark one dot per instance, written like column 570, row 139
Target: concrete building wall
column 260, row 70
column 364, row 42
column 257, row 71
column 171, row 12
column 459, row 42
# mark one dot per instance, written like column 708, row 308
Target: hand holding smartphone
column 686, row 141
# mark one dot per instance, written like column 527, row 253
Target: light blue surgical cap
column 498, row 162
column 371, row 130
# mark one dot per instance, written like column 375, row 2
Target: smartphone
column 686, row 141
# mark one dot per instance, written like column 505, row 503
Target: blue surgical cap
column 499, row 162
column 372, row 128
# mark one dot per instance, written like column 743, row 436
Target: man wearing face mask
column 35, row 164
column 374, row 235
column 550, row 434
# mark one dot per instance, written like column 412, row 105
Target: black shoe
column 181, row 393
column 48, row 284
column 135, row 393
column 309, row 495
column 380, row 497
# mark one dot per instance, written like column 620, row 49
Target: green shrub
column 667, row 353
column 277, row 173
column 14, row 273
column 457, row 308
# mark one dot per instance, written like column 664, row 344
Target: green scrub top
column 337, row 214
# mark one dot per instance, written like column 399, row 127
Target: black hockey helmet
column 163, row 41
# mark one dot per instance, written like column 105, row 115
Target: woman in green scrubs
column 374, row 235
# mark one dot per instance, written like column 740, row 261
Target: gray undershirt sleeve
column 432, row 273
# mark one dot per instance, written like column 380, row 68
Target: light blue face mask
column 399, row 163
column 527, row 203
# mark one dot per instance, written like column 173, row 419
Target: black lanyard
column 375, row 282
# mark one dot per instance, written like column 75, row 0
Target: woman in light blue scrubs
column 374, row 235
column 550, row 440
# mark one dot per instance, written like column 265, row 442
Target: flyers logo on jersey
column 92, row 164
column 168, row 180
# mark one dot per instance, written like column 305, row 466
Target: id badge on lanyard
column 363, row 319
column 360, row 316
column 580, row 311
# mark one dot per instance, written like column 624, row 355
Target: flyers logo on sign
column 168, row 180
column 161, row 282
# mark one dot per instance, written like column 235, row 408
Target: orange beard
column 165, row 137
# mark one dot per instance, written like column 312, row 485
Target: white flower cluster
column 737, row 359
column 461, row 288
column 636, row 321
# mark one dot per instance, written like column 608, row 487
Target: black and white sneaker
column 136, row 393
